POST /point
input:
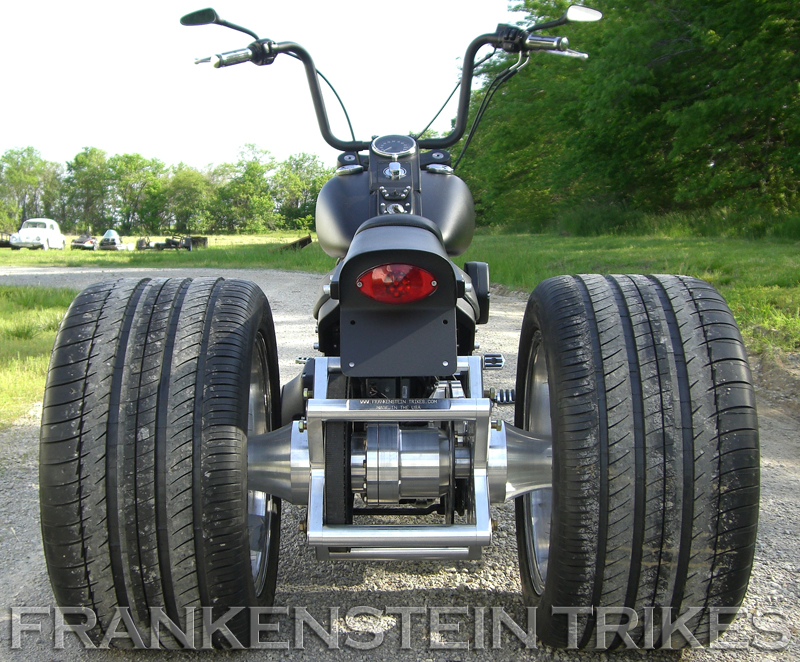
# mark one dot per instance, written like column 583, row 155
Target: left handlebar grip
column 232, row 57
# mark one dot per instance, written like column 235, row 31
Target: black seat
column 401, row 220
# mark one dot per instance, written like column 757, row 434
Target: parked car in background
column 111, row 242
column 41, row 233
column 85, row 242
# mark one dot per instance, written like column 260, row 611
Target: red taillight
column 397, row 283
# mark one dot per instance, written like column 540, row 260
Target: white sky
column 120, row 75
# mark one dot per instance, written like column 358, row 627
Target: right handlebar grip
column 536, row 42
column 231, row 58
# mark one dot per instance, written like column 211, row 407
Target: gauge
column 394, row 147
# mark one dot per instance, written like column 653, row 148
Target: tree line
column 135, row 195
column 683, row 105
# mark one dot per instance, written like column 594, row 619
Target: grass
column 226, row 251
column 759, row 278
column 29, row 318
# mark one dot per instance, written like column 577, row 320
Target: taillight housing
column 397, row 283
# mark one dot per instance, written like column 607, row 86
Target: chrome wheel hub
column 260, row 505
column 538, row 503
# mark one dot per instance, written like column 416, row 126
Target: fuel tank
column 344, row 204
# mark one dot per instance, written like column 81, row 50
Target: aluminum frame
column 391, row 542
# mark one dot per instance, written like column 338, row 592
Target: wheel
column 152, row 388
column 15, row 248
column 643, row 385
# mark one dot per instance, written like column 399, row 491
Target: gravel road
column 766, row 630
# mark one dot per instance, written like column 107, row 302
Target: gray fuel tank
column 344, row 204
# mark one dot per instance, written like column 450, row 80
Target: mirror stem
column 233, row 26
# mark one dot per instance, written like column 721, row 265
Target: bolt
column 307, row 394
column 476, row 346
column 490, row 393
column 316, row 345
column 303, row 526
column 497, row 425
column 494, row 525
column 301, row 425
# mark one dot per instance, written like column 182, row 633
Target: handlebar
column 427, row 143
column 264, row 51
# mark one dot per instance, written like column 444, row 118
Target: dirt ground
column 767, row 628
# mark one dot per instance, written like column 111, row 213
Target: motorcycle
column 168, row 445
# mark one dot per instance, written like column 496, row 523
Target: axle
column 404, row 452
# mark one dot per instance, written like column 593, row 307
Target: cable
column 338, row 98
column 416, row 137
column 495, row 85
column 458, row 84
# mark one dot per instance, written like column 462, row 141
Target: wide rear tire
column 152, row 389
column 642, row 382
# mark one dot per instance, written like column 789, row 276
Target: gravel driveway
column 323, row 586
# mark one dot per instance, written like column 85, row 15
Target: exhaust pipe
column 278, row 464
column 518, row 463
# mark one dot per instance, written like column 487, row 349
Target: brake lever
column 570, row 53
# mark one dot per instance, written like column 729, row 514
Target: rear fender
column 397, row 340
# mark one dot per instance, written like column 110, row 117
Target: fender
column 398, row 340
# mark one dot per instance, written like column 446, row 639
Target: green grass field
column 226, row 251
column 759, row 278
column 29, row 318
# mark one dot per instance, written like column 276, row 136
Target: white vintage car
column 38, row 233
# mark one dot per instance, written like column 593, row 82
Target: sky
column 120, row 75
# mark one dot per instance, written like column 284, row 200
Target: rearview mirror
column 580, row 14
column 206, row 16
column 574, row 14
column 200, row 17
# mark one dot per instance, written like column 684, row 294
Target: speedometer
column 394, row 147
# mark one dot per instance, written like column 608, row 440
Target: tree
column 683, row 104
column 29, row 187
column 296, row 185
column 245, row 203
column 132, row 178
column 189, row 196
column 87, row 183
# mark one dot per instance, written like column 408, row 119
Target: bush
column 610, row 219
